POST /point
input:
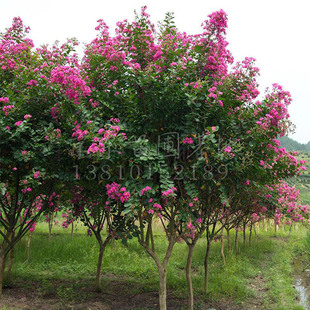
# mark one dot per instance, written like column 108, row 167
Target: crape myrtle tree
column 157, row 83
column 40, row 91
column 200, row 124
column 196, row 136
column 96, row 197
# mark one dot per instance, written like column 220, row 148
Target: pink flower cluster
column 116, row 193
column 78, row 132
column 255, row 217
column 169, row 192
column 99, row 143
column 188, row 140
column 71, row 82
column 7, row 108
column 228, row 150
column 144, row 190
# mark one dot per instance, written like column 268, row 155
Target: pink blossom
column 147, row 188
column 157, row 206
column 32, row 83
column 169, row 192
column 136, row 66
column 188, row 140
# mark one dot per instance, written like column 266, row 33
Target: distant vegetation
column 301, row 182
column 292, row 145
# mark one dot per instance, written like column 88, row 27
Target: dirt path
column 302, row 280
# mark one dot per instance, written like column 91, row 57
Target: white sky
column 275, row 32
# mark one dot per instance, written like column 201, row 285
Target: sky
column 274, row 32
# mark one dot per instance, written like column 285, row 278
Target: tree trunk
column 222, row 249
column 28, row 246
column 289, row 233
column 152, row 240
column 275, row 228
column 10, row 262
column 189, row 276
column 161, row 266
column 206, row 266
column 2, row 266
column 236, row 242
column 102, row 246
column 72, row 229
column 162, row 287
column 99, row 264
column 50, row 226
column 244, row 237
column 228, row 240
column 250, row 236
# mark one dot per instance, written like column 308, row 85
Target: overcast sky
column 275, row 32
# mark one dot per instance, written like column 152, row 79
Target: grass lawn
column 61, row 272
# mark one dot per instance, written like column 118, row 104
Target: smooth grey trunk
column 189, row 276
column 152, row 242
column 275, row 228
column 28, row 246
column 72, row 229
column 50, row 226
column 228, row 240
column 10, row 262
column 250, row 235
column 289, row 233
column 244, row 237
column 2, row 266
column 99, row 265
column 222, row 250
column 162, row 270
column 206, row 266
column 162, row 287
column 102, row 246
column 236, row 242
column 149, row 237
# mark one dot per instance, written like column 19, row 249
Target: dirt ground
column 34, row 296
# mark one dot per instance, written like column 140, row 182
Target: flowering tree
column 164, row 85
column 95, row 199
column 193, row 151
column 40, row 90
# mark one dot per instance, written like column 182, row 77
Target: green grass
column 305, row 195
column 261, row 271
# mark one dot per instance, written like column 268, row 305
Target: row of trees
column 151, row 125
